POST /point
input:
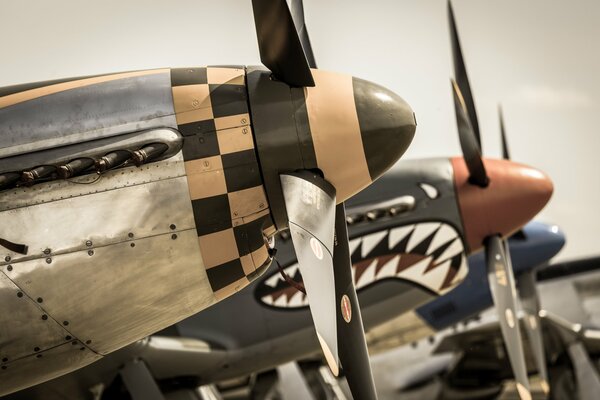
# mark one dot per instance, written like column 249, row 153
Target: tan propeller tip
column 524, row 393
column 329, row 357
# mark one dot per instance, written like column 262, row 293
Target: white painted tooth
column 368, row 276
column 389, row 269
column 272, row 281
column 421, row 232
column 353, row 244
column 397, row 234
column 296, row 300
column 432, row 279
column 443, row 235
column 305, row 301
column 370, row 241
column 281, row 302
column 268, row 300
column 291, row 270
column 455, row 248
column 415, row 271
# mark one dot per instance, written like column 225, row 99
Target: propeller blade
column 310, row 205
column 460, row 74
column 352, row 345
column 530, row 305
column 505, row 153
column 588, row 381
column 470, row 148
column 297, row 7
column 278, row 42
column 504, row 294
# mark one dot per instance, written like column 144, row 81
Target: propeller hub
column 515, row 194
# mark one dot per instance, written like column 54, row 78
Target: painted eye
column 429, row 190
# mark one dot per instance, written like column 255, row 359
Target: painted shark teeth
column 436, row 252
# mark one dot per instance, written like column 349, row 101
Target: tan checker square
column 247, row 201
column 218, row 248
column 235, row 139
column 205, row 177
column 229, row 76
column 231, row 288
column 192, row 103
column 232, row 121
column 260, row 256
column 248, row 264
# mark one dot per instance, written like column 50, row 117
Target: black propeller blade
column 468, row 144
column 460, row 74
column 298, row 17
column 352, row 345
column 466, row 117
column 505, row 153
column 279, row 44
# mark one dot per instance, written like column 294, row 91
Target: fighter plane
column 210, row 346
column 130, row 201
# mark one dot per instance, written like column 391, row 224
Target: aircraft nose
column 387, row 125
column 516, row 193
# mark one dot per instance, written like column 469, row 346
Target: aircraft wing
column 164, row 357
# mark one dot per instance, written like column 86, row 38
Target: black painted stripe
column 305, row 140
column 188, row 76
column 225, row 274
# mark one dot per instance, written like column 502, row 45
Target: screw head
column 48, row 260
column 40, row 300
column 44, row 317
column 174, row 236
column 9, row 268
column 7, row 258
column 19, row 294
column 88, row 243
column 47, row 251
column 90, row 253
column 173, row 226
column 130, row 234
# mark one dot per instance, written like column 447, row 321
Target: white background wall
column 540, row 59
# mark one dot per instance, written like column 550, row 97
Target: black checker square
column 200, row 146
column 212, row 214
column 241, row 170
column 197, row 127
column 225, row 274
column 227, row 100
column 249, row 237
column 188, row 76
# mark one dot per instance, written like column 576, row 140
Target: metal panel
column 63, row 216
column 121, row 293
column 86, row 113
column 24, row 325
column 54, row 362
